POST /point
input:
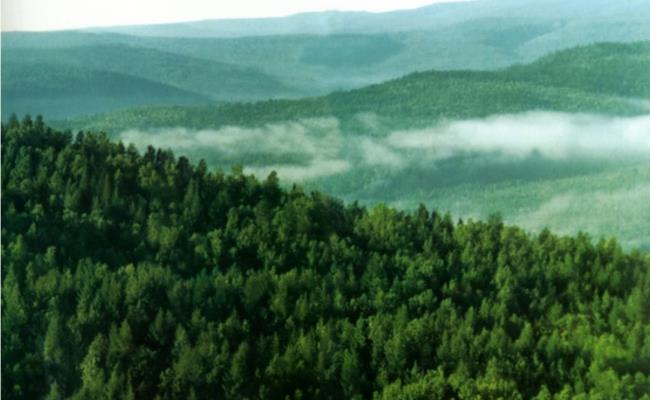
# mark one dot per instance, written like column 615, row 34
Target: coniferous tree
column 141, row 276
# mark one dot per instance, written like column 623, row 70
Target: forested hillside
column 132, row 73
column 469, row 142
column 309, row 54
column 606, row 78
column 142, row 276
column 62, row 88
column 612, row 68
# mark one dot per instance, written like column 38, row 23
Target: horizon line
column 234, row 18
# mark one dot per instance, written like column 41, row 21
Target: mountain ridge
column 319, row 60
column 430, row 95
column 427, row 17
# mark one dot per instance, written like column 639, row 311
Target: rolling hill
column 318, row 53
column 469, row 142
column 147, row 276
column 429, row 17
column 112, row 67
column 134, row 267
column 604, row 78
column 66, row 90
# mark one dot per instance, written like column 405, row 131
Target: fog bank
column 312, row 148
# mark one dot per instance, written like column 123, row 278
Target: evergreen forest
column 132, row 273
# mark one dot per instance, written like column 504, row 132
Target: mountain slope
column 612, row 68
column 316, row 54
column 577, row 80
column 145, row 276
column 424, row 18
column 114, row 76
column 62, row 90
column 219, row 81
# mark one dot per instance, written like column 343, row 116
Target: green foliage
column 350, row 51
column 63, row 90
column 604, row 198
column 129, row 75
column 130, row 275
column 606, row 67
column 600, row 78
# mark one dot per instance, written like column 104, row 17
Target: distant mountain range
column 76, row 73
column 609, row 78
column 432, row 17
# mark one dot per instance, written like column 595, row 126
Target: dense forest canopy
column 142, row 275
column 558, row 142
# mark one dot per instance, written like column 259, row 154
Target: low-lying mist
column 296, row 150
column 569, row 172
column 313, row 148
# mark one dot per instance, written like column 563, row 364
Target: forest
column 602, row 78
column 137, row 274
column 301, row 56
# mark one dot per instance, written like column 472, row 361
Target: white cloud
column 553, row 135
column 317, row 147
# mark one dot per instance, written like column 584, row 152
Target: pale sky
column 39, row 15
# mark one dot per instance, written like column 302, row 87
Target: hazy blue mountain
column 60, row 90
column 314, row 54
column 605, row 78
column 212, row 79
column 55, row 39
column 425, row 18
